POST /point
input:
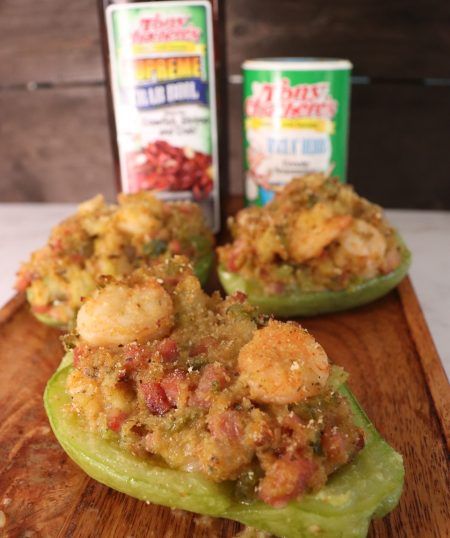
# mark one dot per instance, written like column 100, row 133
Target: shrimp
column 268, row 245
column 363, row 245
column 283, row 364
column 94, row 216
column 139, row 214
column 93, row 205
column 122, row 313
column 315, row 229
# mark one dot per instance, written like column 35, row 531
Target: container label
column 295, row 123
column 162, row 75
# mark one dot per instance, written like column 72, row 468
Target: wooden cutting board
column 394, row 371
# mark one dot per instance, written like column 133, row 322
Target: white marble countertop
column 25, row 227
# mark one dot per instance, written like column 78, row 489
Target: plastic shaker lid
column 298, row 64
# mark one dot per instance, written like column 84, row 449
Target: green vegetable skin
column 43, row 318
column 368, row 487
column 203, row 264
column 202, row 269
column 299, row 303
column 48, row 320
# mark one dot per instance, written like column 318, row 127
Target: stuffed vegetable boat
column 316, row 247
column 243, row 417
column 101, row 239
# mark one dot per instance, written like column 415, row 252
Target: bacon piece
column 116, row 419
column 198, row 349
column 202, row 346
column 226, row 426
column 175, row 246
column 335, row 445
column 276, row 288
column 56, row 245
column 294, row 427
column 155, row 398
column 172, row 280
column 174, row 384
column 168, row 349
column 231, row 262
column 286, row 479
column 239, row 296
column 236, row 256
column 361, row 442
column 24, row 279
column 79, row 353
column 214, row 378
column 41, row 309
column 262, row 433
column 77, row 258
column 135, row 355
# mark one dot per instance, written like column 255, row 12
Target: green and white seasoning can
column 296, row 113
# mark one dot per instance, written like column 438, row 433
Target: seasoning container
column 161, row 76
column 295, row 121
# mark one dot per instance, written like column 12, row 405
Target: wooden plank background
column 54, row 140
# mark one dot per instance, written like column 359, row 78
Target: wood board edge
column 433, row 369
column 8, row 310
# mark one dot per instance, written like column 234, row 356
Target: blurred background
column 54, row 137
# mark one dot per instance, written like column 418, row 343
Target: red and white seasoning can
column 161, row 72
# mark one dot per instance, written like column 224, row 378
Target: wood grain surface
column 431, row 364
column 60, row 134
column 49, row 41
column 52, row 41
column 388, row 39
column 397, row 380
